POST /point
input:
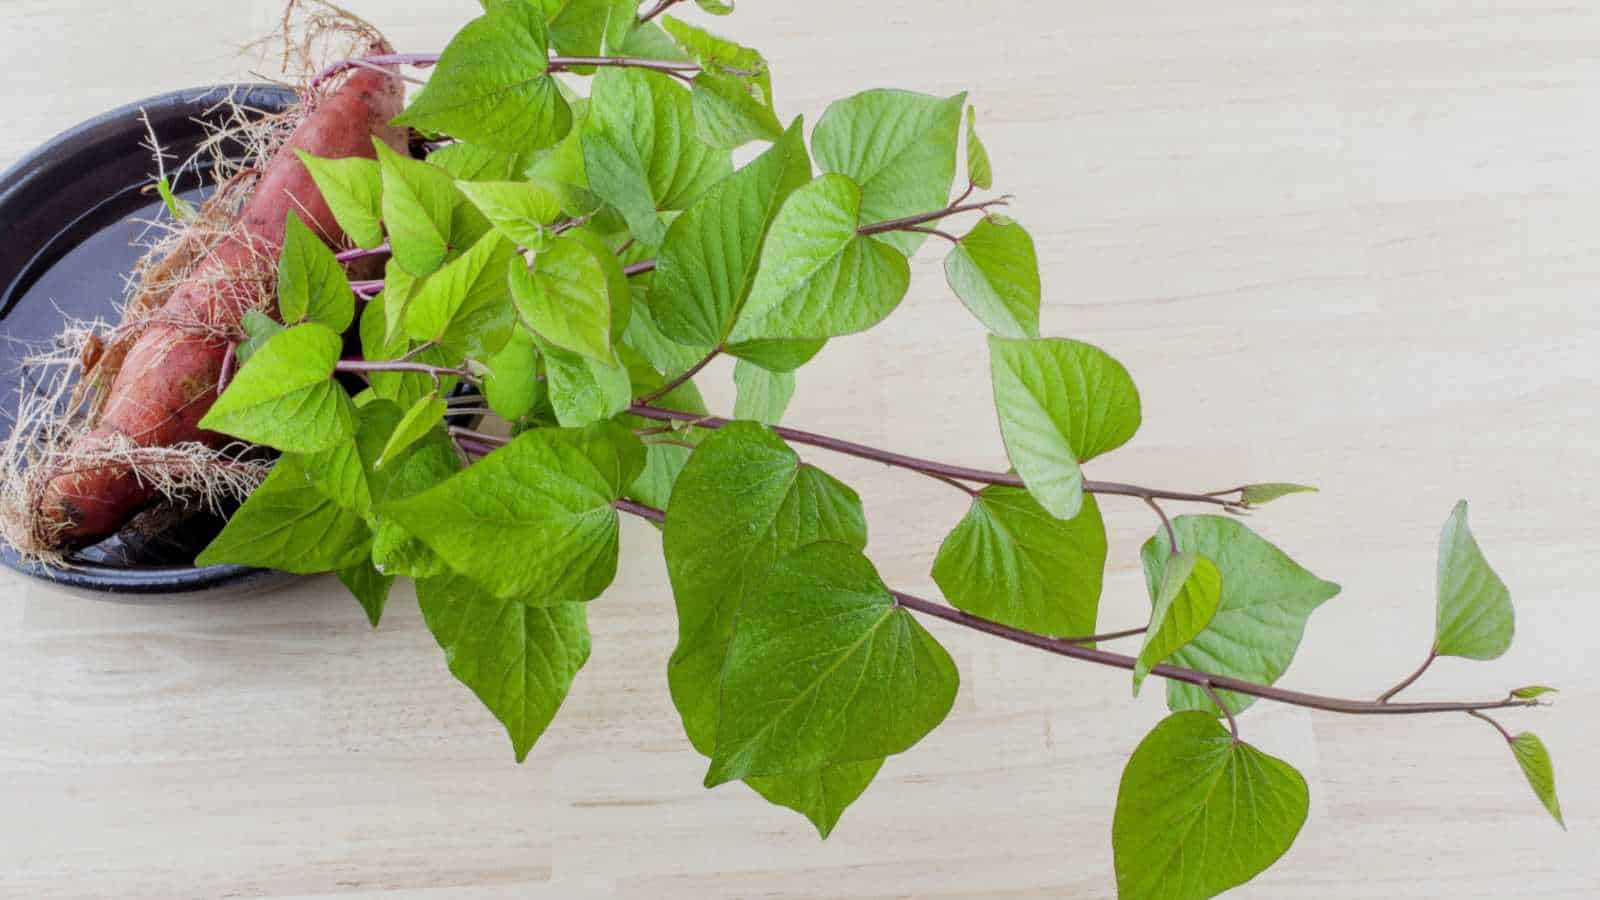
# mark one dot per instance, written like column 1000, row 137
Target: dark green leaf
column 546, row 499
column 824, row 668
column 777, row 355
column 743, row 502
column 1014, row 563
column 640, row 149
column 708, row 260
column 518, row 658
column 822, row 795
column 369, row 586
column 1475, row 617
column 1199, row 813
column 1061, row 402
column 1266, row 599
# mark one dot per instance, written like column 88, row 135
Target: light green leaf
column 730, row 111
column 511, row 386
column 419, row 203
column 824, row 668
column 369, row 586
column 979, row 172
column 1014, row 563
column 566, row 298
column 714, row 52
column 743, row 502
column 424, row 416
column 520, row 210
column 900, row 147
column 1475, row 618
column 289, row 524
column 466, row 306
column 427, row 463
column 1257, row 494
column 777, row 355
column 709, row 257
column 996, row 274
column 1060, row 402
column 376, row 344
column 591, row 27
column 640, row 149
column 1266, row 599
column 818, row 277
column 470, row 162
column 341, row 471
column 762, row 395
column 492, row 87
column 285, row 396
column 177, row 207
column 353, row 190
column 1541, row 773
column 546, row 498
column 312, row 286
column 821, row 795
column 1185, row 602
column 716, row 7
column 584, row 390
column 644, row 334
column 519, row 659
column 259, row 328
column 1199, row 813
column 1532, row 691
column 665, row 456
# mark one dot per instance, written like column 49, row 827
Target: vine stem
column 557, row 64
column 396, row 365
column 639, row 268
column 1497, row 726
column 660, row 7
column 908, row 222
column 356, row 253
column 673, row 384
column 1410, row 679
column 924, row 466
column 1069, row 648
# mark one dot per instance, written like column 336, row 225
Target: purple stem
column 356, row 253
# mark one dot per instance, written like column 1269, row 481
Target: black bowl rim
column 110, row 582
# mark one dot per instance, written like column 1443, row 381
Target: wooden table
column 1351, row 244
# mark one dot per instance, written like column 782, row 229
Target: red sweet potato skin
column 168, row 380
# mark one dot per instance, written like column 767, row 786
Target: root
column 65, row 384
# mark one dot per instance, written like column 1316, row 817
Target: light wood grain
column 1351, row 244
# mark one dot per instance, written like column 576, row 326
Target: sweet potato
column 168, row 379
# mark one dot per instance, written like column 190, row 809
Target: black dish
column 70, row 215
